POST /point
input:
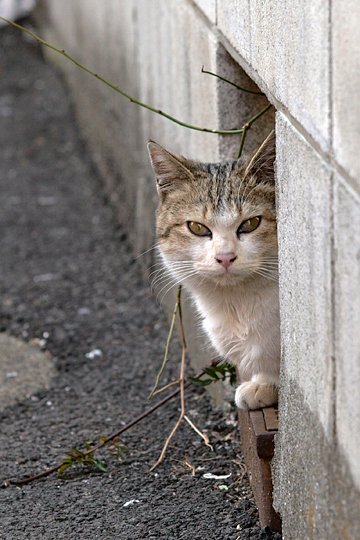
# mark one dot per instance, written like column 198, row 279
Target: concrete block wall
column 305, row 57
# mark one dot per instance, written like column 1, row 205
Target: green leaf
column 101, row 465
column 63, row 467
column 201, row 382
column 76, row 453
column 220, row 372
column 211, row 372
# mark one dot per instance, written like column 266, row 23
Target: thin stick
column 248, row 125
column 117, row 88
column 166, row 387
column 181, row 416
column 242, row 141
column 232, row 83
column 181, row 322
column 167, row 346
column 191, row 467
column 204, row 437
column 104, row 442
column 182, row 388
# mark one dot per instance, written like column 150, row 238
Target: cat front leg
column 259, row 392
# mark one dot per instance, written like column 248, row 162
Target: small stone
column 95, row 353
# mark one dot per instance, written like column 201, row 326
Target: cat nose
column 225, row 259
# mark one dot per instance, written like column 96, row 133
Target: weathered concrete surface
column 209, row 8
column 24, row 370
column 317, row 474
column 314, row 487
column 346, row 82
column 234, row 23
column 287, row 44
column 304, row 224
column 347, row 315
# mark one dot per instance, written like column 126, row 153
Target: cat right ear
column 170, row 170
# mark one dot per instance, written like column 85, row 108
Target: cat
column 217, row 235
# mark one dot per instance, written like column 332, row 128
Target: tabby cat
column 216, row 228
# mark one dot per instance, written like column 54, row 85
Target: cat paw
column 254, row 395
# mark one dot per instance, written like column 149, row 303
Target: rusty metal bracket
column 257, row 431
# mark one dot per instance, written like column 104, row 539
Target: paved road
column 69, row 285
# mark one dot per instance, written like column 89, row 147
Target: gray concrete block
column 178, row 87
column 235, row 107
column 233, row 19
column 287, row 44
column 304, row 225
column 313, row 488
column 347, row 317
column 208, row 7
column 290, row 51
column 346, row 82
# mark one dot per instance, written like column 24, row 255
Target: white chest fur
column 243, row 326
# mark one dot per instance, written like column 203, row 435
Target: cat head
column 216, row 222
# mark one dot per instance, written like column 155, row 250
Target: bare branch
column 117, row 88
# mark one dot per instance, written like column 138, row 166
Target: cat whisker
column 158, row 282
column 247, row 194
column 164, row 273
column 162, row 265
column 155, row 246
column 161, row 299
column 175, row 265
column 168, row 277
column 266, row 275
column 177, row 282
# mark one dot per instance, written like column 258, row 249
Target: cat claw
column 253, row 395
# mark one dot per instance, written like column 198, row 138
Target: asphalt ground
column 69, row 286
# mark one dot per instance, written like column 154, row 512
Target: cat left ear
column 170, row 170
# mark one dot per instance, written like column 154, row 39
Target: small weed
column 218, row 372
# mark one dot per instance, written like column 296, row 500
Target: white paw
column 254, row 395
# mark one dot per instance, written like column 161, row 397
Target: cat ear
column 170, row 170
column 261, row 163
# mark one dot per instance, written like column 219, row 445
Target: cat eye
column 249, row 225
column 198, row 229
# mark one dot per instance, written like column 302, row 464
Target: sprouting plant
column 76, row 457
column 85, row 458
column 218, row 372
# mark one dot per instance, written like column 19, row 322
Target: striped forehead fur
column 189, row 187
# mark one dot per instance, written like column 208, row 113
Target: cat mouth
column 222, row 276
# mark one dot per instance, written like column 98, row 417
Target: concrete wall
column 305, row 57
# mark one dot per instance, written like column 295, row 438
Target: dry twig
column 181, row 385
column 104, row 442
column 204, row 437
column 167, row 346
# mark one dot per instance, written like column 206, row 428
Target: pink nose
column 225, row 259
